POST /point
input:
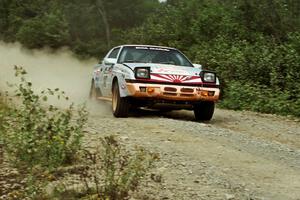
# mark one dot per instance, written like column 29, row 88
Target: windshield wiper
column 132, row 61
column 167, row 63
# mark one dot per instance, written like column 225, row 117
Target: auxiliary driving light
column 150, row 90
column 207, row 93
column 204, row 93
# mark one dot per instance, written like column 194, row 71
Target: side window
column 114, row 53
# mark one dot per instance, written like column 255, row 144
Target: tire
column 120, row 105
column 94, row 92
column 204, row 111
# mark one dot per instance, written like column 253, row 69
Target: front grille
column 187, row 90
column 170, row 89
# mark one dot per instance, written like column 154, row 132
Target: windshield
column 153, row 55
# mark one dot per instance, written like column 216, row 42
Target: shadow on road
column 104, row 108
column 182, row 115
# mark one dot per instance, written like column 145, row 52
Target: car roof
column 140, row 45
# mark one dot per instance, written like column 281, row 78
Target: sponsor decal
column 153, row 48
column 169, row 70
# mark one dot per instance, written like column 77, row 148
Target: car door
column 108, row 63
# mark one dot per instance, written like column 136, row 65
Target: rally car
column 155, row 77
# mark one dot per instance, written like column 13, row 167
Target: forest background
column 253, row 45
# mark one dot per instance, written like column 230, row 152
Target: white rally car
column 154, row 77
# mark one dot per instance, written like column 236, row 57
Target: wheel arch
column 114, row 81
column 122, row 85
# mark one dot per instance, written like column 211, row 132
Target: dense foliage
column 254, row 45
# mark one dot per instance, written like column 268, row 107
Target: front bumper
column 173, row 92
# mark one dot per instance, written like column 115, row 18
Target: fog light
column 150, row 90
column 204, row 93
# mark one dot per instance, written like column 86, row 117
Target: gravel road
column 238, row 155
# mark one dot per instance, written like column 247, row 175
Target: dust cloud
column 48, row 69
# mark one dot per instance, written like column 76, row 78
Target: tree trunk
column 102, row 12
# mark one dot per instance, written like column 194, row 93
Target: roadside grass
column 44, row 143
column 3, row 109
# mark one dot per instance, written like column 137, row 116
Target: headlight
column 142, row 72
column 209, row 77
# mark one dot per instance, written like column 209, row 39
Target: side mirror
column 198, row 66
column 109, row 61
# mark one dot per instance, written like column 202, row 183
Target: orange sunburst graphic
column 175, row 78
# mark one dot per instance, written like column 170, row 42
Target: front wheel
column 120, row 105
column 204, row 111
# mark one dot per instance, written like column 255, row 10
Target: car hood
column 166, row 69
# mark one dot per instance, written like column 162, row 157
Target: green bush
column 40, row 134
column 259, row 98
column 258, row 76
column 111, row 172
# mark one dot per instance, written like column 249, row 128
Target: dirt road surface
column 238, row 155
